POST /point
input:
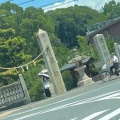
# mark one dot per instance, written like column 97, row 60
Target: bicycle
column 106, row 75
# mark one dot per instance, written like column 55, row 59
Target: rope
column 24, row 64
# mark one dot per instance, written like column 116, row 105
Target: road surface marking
column 74, row 119
column 7, row 113
column 94, row 115
column 61, row 100
column 76, row 103
column 111, row 115
column 112, row 96
column 84, row 101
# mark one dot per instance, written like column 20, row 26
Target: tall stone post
column 24, row 88
column 102, row 49
column 117, row 51
column 119, row 48
column 51, row 62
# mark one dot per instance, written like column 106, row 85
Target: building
column 110, row 27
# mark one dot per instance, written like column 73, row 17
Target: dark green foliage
column 61, row 51
column 112, row 9
column 34, row 83
column 12, row 52
column 73, row 21
column 93, row 69
column 36, row 91
column 8, row 79
column 87, row 50
column 68, row 80
column 110, row 43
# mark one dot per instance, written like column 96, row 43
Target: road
column 97, row 101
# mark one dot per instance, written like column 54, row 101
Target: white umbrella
column 45, row 75
column 44, row 71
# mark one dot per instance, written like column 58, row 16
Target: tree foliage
column 68, row 80
column 87, row 50
column 73, row 21
column 112, row 9
column 66, row 28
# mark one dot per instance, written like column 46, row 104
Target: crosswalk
column 94, row 115
column 97, row 114
column 111, row 115
column 102, row 113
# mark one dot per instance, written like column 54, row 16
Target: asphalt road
column 97, row 101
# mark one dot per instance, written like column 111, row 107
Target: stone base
column 85, row 82
column 52, row 90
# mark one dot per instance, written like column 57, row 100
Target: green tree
column 112, row 9
column 68, row 80
column 34, row 83
column 33, row 20
column 87, row 50
column 110, row 43
column 10, row 16
column 61, row 51
column 12, row 49
column 73, row 21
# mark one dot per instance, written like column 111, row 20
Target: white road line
column 94, row 115
column 61, row 100
column 112, row 96
column 74, row 119
column 96, row 98
column 111, row 115
column 84, row 101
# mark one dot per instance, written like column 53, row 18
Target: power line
column 34, row 0
column 52, row 3
column 46, row 4
column 55, row 6
column 25, row 2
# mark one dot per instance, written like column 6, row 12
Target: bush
column 68, row 80
column 36, row 92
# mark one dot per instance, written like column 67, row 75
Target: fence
column 14, row 93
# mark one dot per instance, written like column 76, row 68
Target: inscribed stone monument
column 51, row 62
column 102, row 49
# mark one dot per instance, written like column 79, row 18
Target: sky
column 36, row 3
column 47, row 5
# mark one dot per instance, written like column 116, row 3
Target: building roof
column 106, row 26
column 68, row 66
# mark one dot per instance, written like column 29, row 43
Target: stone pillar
column 51, row 62
column 102, row 49
column 83, row 78
column 117, row 51
column 24, row 88
column 119, row 48
column 52, row 89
